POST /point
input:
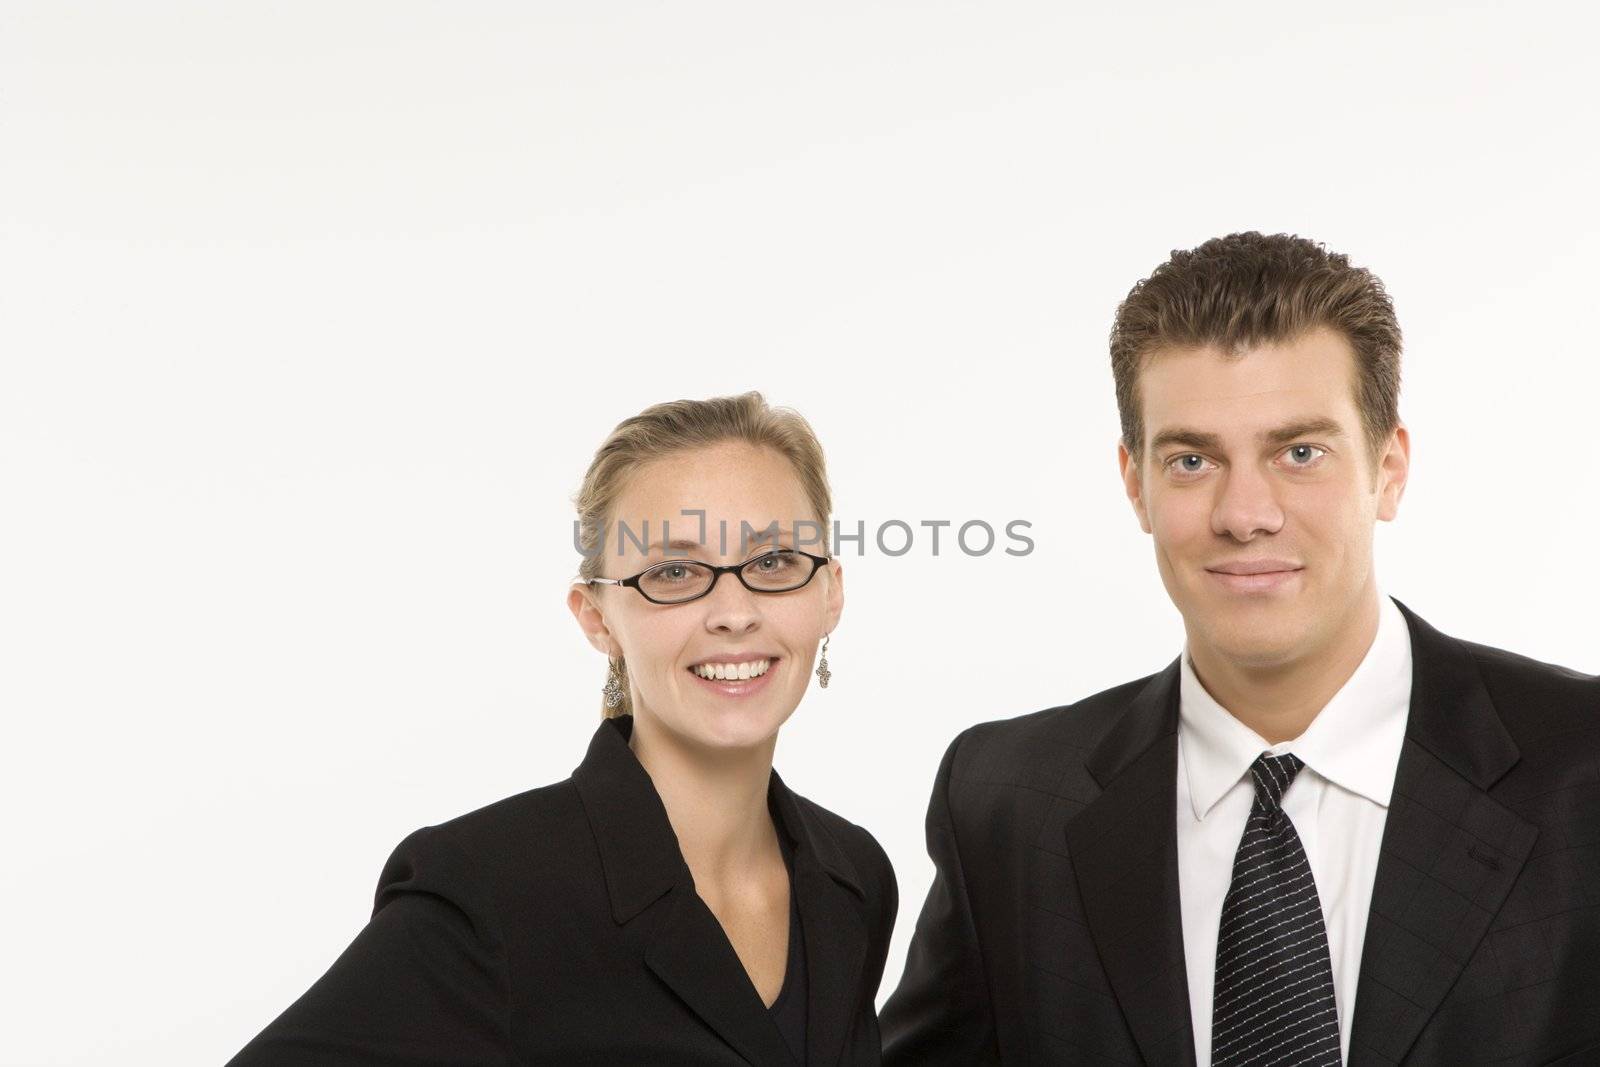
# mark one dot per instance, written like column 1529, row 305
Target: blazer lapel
column 648, row 881
column 1124, row 850
column 1450, row 852
column 691, row 953
column 833, row 927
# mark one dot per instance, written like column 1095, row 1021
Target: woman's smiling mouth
column 734, row 675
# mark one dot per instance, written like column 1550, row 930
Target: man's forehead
column 1317, row 359
column 1252, row 394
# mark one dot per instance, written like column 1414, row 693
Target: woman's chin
column 732, row 728
column 739, row 730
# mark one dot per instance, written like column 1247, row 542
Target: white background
column 312, row 314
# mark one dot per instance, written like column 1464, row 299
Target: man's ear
column 1393, row 469
column 1132, row 484
column 581, row 602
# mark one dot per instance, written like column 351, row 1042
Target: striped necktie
column 1273, row 999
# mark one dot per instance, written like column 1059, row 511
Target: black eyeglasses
column 678, row 581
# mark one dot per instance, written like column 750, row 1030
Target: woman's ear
column 581, row 602
column 834, row 605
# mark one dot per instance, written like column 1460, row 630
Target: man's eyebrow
column 1185, row 437
column 1320, row 426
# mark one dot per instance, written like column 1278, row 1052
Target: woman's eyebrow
column 754, row 537
column 677, row 545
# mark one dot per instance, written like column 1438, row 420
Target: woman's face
column 742, row 490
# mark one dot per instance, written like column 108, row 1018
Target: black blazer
column 561, row 926
column 1052, row 933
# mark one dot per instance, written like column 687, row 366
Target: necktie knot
column 1272, row 776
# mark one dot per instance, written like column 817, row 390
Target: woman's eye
column 674, row 573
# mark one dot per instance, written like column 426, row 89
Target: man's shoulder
column 1514, row 675
column 1045, row 740
column 1540, row 703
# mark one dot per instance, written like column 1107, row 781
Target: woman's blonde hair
column 676, row 426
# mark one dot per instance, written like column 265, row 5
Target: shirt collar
column 1354, row 741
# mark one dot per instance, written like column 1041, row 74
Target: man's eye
column 1298, row 452
column 1182, row 463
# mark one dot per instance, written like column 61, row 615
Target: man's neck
column 1280, row 701
column 716, row 801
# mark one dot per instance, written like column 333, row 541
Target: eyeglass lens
column 772, row 572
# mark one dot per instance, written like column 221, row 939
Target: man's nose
column 1246, row 504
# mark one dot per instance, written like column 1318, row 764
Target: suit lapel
column 1450, row 852
column 692, row 955
column 836, row 947
column 833, row 926
column 649, row 882
column 1124, row 850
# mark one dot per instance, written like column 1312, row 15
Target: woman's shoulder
column 851, row 852
column 541, row 808
column 862, row 850
column 517, row 840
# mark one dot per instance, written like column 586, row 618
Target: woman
column 673, row 902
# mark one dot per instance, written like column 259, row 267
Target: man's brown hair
column 1236, row 292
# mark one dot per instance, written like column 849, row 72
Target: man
column 1326, row 833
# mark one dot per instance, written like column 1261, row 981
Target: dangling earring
column 823, row 673
column 613, row 686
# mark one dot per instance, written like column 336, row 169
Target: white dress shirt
column 1338, row 803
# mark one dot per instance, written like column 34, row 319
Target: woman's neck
column 716, row 800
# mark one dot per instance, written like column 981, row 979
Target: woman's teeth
column 723, row 671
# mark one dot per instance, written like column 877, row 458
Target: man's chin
column 1257, row 644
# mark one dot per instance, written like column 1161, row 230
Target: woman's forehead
column 715, row 485
column 712, row 504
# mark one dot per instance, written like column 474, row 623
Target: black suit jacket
column 1052, row 933
column 561, row 926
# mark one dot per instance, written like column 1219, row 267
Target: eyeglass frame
column 736, row 569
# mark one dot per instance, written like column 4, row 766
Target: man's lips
column 1254, row 566
column 1249, row 577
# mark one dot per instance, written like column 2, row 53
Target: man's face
column 1261, row 464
